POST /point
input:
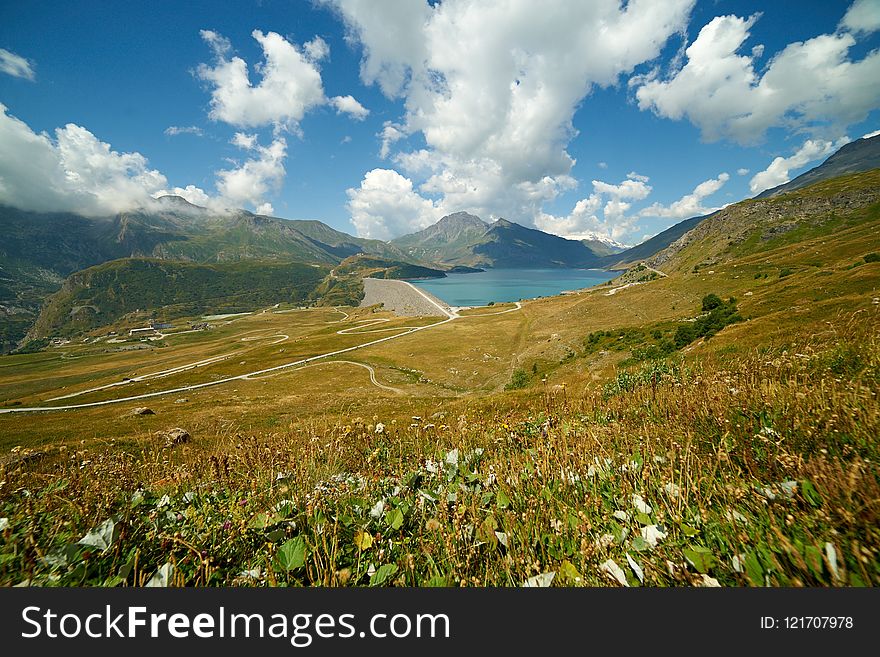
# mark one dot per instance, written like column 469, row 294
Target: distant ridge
column 857, row 156
column 462, row 238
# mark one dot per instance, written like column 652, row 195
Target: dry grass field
column 547, row 443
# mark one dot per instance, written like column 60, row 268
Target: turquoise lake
column 500, row 285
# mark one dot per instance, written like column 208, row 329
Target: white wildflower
column 614, row 572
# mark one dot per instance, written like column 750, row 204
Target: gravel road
column 399, row 297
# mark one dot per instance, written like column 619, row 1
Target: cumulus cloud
column 348, row 105
column 777, row 173
column 492, row 87
column 862, row 16
column 15, row 65
column 391, row 132
column 385, row 206
column 290, row 82
column 72, row 171
column 814, row 85
column 871, row 134
column 174, row 130
column 689, row 205
column 191, row 193
column 612, row 201
column 743, row 171
column 257, row 176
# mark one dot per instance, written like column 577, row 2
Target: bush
column 721, row 314
column 786, row 272
column 33, row 346
column 872, row 257
column 684, row 335
column 519, row 379
column 711, row 302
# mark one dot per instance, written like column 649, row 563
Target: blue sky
column 578, row 118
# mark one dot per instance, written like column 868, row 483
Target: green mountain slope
column 103, row 294
column 39, row 250
column 758, row 225
column 651, row 246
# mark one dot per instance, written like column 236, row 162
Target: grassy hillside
column 717, row 425
column 101, row 295
column 364, row 266
column 756, row 226
column 39, row 250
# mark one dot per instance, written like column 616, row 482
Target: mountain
column 39, row 250
column 465, row 239
column 164, row 289
column 860, row 155
column 651, row 246
column 448, row 241
column 603, row 246
column 846, row 204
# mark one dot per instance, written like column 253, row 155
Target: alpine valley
column 193, row 396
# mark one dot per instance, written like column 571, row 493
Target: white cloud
column 174, row 130
column 74, row 171
column 316, row 49
column 257, row 176
column 386, row 206
column 871, row 134
column 290, row 82
column 602, row 165
column 348, row 105
column 812, row 85
column 742, row 171
column 614, row 203
column 689, row 205
column 862, row 16
column 15, row 65
column 193, row 194
column 391, row 132
column 492, row 87
column 777, row 173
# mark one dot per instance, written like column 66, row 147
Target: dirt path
column 369, row 368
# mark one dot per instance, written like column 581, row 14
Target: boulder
column 176, row 436
column 143, row 410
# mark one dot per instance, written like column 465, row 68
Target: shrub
column 684, row 335
column 872, row 257
column 786, row 272
column 711, row 302
column 519, row 379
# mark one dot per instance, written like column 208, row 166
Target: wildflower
column 614, row 571
column 227, row 526
column 640, row 505
column 652, row 535
column 432, row 525
column 380, row 428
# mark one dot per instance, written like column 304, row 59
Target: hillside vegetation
column 101, row 295
column 713, row 426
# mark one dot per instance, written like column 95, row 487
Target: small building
column 146, row 330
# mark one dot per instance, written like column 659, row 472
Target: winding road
column 451, row 315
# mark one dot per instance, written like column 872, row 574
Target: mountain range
column 39, row 251
column 465, row 239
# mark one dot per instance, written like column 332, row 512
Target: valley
column 710, row 415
